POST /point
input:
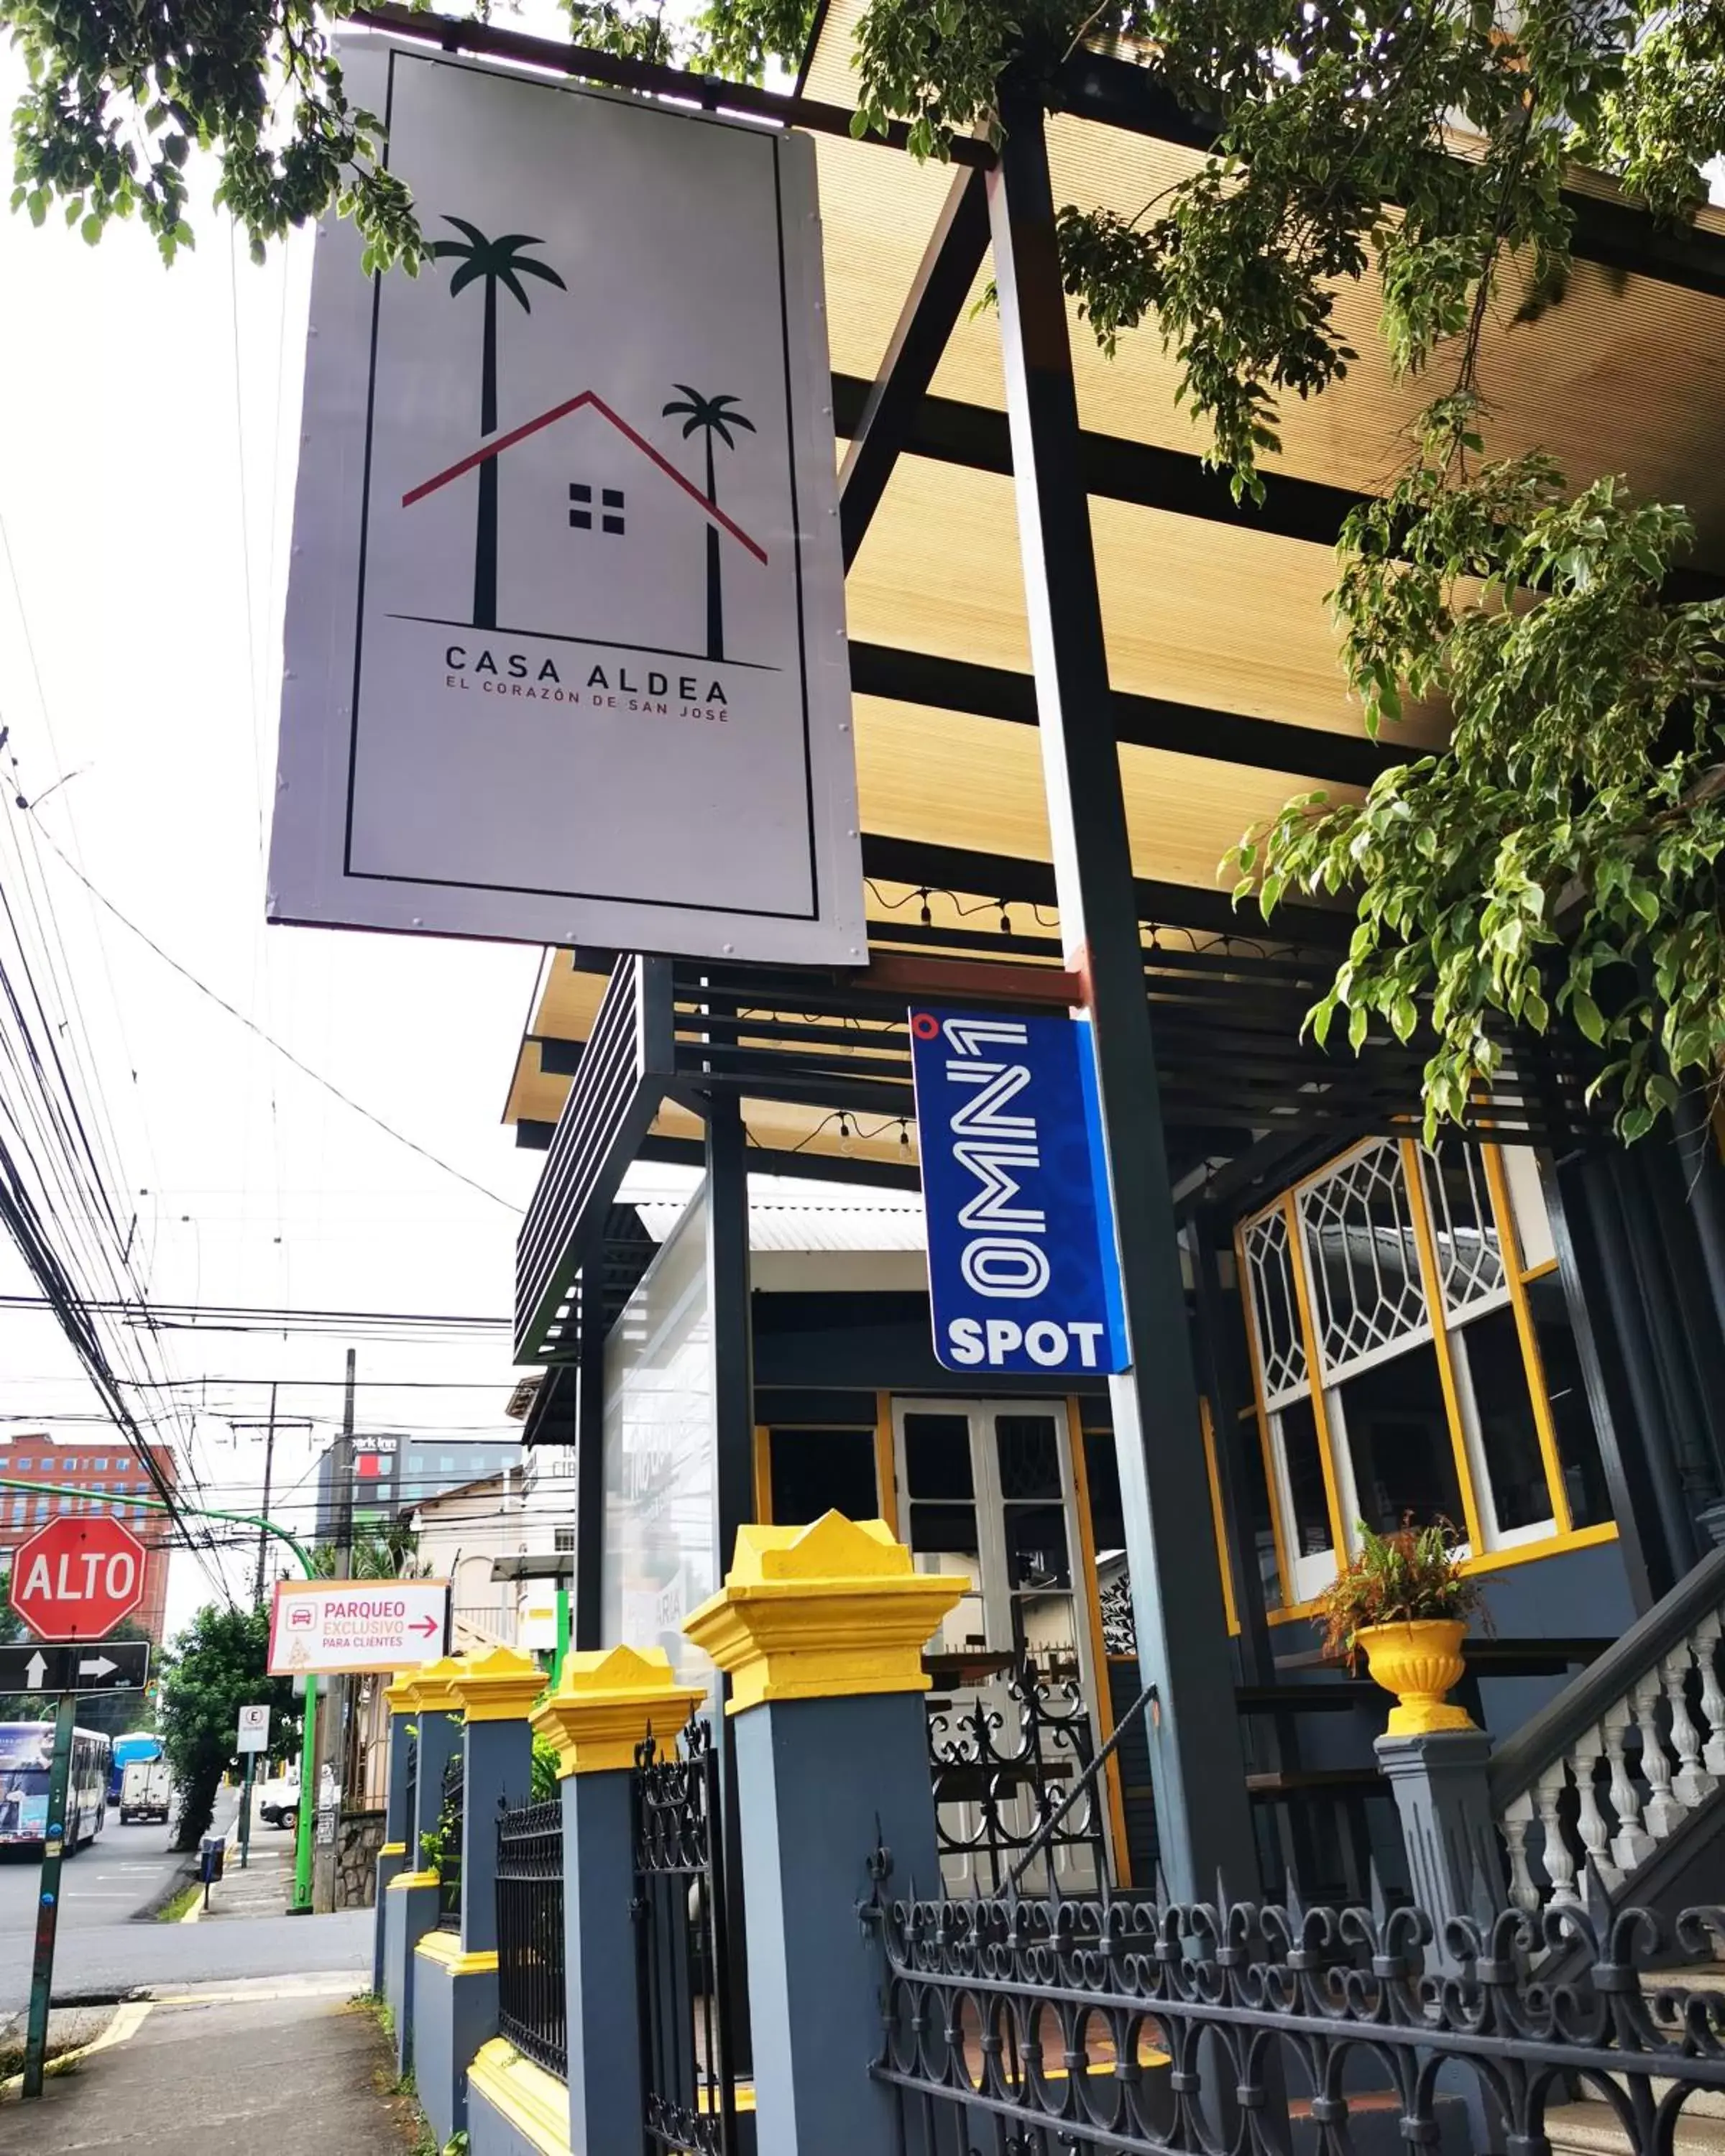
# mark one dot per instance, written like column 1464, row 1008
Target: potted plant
column 1404, row 1602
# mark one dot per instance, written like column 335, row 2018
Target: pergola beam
column 1617, row 235
column 994, row 692
column 923, row 864
column 1177, row 482
column 953, row 256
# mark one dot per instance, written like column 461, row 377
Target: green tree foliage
column 1557, row 862
column 216, row 1666
column 383, row 1549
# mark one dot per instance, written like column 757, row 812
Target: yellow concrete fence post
column 821, row 1630
column 605, row 1702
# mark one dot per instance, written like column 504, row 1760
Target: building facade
column 85, row 1476
column 394, row 1471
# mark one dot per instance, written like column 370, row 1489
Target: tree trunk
column 715, row 595
column 484, row 552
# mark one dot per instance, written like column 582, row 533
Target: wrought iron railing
column 1064, row 2027
column 682, row 1953
column 448, row 1844
column 1014, row 1789
column 532, row 1998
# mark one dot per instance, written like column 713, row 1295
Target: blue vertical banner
column 1022, row 1272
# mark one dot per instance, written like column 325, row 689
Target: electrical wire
column 270, row 1041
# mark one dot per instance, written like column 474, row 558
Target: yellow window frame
column 1565, row 1535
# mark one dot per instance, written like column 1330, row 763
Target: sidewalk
column 263, row 1889
column 286, row 2063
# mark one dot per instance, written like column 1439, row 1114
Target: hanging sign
column 1022, row 1270
column 319, row 1626
column 565, row 655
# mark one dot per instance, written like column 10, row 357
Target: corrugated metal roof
column 880, row 1223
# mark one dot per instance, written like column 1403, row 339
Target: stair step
column 1590, row 2130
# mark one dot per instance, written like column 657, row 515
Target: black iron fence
column 531, row 1999
column 448, row 1843
column 1063, row 2028
column 1005, row 1766
column 682, row 1957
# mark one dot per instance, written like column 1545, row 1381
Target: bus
column 26, row 1763
column 138, row 1744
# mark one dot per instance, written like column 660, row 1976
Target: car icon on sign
column 301, row 1618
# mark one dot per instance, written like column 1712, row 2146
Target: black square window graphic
column 581, row 516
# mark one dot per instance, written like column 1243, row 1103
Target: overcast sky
column 146, row 490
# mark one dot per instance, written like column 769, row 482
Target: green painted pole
column 47, row 1899
column 557, row 1667
column 301, row 1906
column 245, row 1813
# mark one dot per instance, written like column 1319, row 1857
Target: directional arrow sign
column 117, row 1666
column 328, row 1625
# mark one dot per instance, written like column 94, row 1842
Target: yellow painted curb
column 125, row 2025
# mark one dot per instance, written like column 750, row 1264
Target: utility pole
column 333, row 1736
column 270, row 1426
column 269, row 1469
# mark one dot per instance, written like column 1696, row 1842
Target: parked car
column 146, row 1791
column 277, row 1799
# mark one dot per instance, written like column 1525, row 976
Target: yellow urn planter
column 1419, row 1661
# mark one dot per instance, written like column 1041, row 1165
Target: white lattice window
column 1470, row 1254
column 1281, row 1352
column 1362, row 1260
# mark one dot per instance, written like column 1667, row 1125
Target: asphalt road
column 126, row 1871
column 109, row 1946
column 123, row 1870
column 105, row 1961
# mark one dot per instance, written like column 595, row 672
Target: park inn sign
column 565, row 644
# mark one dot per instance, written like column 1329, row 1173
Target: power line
column 251, row 1026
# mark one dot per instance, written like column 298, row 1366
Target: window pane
column 1526, row 1199
column 1280, row 1345
column 1298, row 1426
column 1250, row 1455
column 944, row 1528
column 937, row 1455
column 815, row 1471
column 1399, row 1440
column 1036, row 1546
column 1470, row 1260
column 1363, row 1256
column 1578, row 1446
column 1508, row 1435
column 1030, row 1458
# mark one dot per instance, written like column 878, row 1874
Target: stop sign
column 76, row 1579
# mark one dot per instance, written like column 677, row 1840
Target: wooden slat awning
column 1218, row 625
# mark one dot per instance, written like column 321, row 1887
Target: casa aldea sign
column 565, row 652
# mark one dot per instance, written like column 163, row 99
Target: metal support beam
column 1116, row 468
column 1203, row 1820
column 731, row 1327
column 994, row 692
column 589, row 1460
column 919, row 863
column 954, row 253
column 1618, row 235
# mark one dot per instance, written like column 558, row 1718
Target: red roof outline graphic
column 508, row 441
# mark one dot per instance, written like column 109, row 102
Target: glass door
column 986, row 1490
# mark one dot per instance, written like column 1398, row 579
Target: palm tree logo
column 709, row 414
column 495, row 262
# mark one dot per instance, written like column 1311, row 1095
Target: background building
column 392, row 1473
column 108, row 1476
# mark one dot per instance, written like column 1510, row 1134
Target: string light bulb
column 928, row 917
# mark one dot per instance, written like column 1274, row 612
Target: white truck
column 145, row 1789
